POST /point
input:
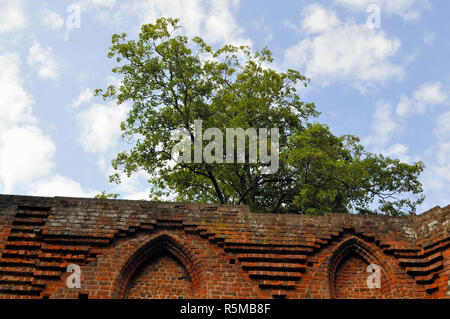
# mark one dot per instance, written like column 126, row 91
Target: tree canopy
column 171, row 81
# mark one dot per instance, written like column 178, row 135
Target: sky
column 379, row 70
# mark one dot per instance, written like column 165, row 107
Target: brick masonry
column 141, row 249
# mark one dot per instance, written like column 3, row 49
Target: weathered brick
column 139, row 249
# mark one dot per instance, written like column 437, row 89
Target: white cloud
column 42, row 61
column 383, row 125
column 343, row 51
column 399, row 151
column 436, row 177
column 442, row 127
column 85, row 97
column 437, row 173
column 440, row 169
column 144, row 195
column 317, row 19
column 51, row 19
column 26, row 154
column 135, row 187
column 57, row 185
column 12, row 16
column 213, row 20
column 428, row 95
column 86, row 4
column 407, row 9
column 12, row 93
column 100, row 127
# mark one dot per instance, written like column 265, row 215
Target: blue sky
column 388, row 84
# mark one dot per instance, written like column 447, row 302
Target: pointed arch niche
column 163, row 268
column 347, row 272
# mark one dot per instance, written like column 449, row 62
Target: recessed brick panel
column 351, row 280
column 164, row 277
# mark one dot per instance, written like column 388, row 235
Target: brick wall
column 140, row 249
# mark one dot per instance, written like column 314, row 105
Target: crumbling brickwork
column 141, row 249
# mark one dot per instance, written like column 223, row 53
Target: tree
column 172, row 81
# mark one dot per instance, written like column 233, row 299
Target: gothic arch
column 164, row 245
column 347, row 272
